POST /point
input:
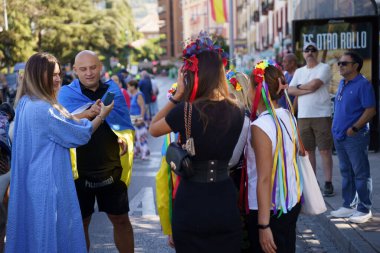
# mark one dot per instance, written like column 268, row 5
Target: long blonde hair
column 38, row 78
column 38, row 81
column 241, row 95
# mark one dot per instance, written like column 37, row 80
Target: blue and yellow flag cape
column 71, row 97
column 165, row 184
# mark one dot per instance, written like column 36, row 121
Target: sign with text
column 335, row 36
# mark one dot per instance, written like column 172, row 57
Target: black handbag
column 179, row 160
column 179, row 156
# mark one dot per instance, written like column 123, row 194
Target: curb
column 345, row 235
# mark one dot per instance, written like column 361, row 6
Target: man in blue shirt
column 355, row 106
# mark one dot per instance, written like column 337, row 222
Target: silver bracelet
column 101, row 118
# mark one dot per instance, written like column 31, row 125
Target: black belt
column 209, row 171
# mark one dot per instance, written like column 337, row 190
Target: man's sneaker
column 343, row 212
column 328, row 190
column 359, row 217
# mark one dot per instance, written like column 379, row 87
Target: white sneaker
column 343, row 212
column 359, row 217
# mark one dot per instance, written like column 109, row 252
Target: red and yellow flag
column 219, row 11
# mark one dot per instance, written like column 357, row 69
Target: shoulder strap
column 188, row 112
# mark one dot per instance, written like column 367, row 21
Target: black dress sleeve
column 175, row 118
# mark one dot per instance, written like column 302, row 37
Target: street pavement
column 142, row 194
column 349, row 237
column 315, row 234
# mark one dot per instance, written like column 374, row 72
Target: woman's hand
column 180, row 85
column 94, row 110
column 171, row 241
column 104, row 111
column 266, row 241
column 281, row 86
column 140, row 121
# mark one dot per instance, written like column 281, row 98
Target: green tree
column 16, row 44
column 151, row 50
column 79, row 25
column 65, row 27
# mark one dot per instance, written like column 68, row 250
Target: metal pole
column 231, row 33
column 5, row 15
column 249, row 29
column 207, row 18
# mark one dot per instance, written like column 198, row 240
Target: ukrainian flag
column 71, row 97
column 166, row 182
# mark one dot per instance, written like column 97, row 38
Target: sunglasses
column 344, row 63
column 313, row 50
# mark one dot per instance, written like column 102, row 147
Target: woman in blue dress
column 137, row 112
column 44, row 214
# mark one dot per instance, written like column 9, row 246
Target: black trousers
column 283, row 230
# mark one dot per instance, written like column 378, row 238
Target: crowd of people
column 244, row 192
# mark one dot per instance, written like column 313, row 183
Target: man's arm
column 364, row 119
column 302, row 89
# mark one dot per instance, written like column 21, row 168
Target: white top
column 318, row 103
column 239, row 148
column 266, row 123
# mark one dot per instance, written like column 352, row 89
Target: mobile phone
column 108, row 99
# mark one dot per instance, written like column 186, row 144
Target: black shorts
column 111, row 199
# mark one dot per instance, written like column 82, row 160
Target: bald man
column 104, row 164
column 289, row 63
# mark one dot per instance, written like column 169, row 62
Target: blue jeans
column 354, row 168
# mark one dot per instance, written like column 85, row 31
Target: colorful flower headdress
column 202, row 44
column 262, row 87
column 279, row 183
column 232, row 80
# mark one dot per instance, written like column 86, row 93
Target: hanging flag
column 219, row 11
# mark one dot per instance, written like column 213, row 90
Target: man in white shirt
column 311, row 84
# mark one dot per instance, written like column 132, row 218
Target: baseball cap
column 309, row 44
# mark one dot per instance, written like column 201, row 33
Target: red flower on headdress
column 224, row 62
column 259, row 75
column 192, row 63
column 233, row 81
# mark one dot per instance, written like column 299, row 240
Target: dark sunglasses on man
column 345, row 63
column 307, row 50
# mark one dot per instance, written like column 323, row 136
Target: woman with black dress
column 205, row 213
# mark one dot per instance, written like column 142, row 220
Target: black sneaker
column 328, row 190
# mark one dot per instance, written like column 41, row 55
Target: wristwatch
column 354, row 129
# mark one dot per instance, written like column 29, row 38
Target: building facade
column 197, row 16
column 171, row 25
